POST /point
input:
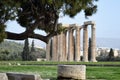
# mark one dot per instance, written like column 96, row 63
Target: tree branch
column 24, row 35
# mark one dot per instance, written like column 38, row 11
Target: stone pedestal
column 75, row 72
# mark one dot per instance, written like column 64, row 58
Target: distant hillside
column 11, row 46
column 10, row 50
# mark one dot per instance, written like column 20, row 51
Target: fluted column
column 54, row 48
column 70, row 45
column 93, row 43
column 60, row 56
column 64, row 46
column 58, row 47
column 77, row 45
column 85, row 44
column 48, row 51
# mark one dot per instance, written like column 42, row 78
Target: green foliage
column 111, row 55
column 32, row 52
column 89, row 50
column 42, row 14
column 108, row 56
column 32, row 48
column 12, row 51
column 2, row 32
column 36, row 53
column 26, row 52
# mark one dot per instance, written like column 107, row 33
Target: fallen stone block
column 19, row 76
column 3, row 76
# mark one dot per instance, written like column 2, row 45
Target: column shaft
column 58, row 47
column 54, row 49
column 48, row 51
column 85, row 44
column 70, row 46
column 64, row 46
column 77, row 45
column 60, row 56
column 93, row 44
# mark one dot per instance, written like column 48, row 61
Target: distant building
column 116, row 52
column 104, row 52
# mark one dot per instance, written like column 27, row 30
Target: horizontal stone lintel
column 89, row 23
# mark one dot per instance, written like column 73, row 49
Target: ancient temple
column 66, row 46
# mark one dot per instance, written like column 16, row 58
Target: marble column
column 85, row 44
column 64, row 46
column 77, row 45
column 58, row 47
column 60, row 54
column 70, row 45
column 65, row 41
column 48, row 50
column 93, row 43
column 54, row 48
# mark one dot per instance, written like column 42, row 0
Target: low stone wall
column 18, row 76
column 75, row 72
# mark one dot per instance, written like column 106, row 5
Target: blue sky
column 106, row 18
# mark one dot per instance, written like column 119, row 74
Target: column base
column 77, row 61
column 85, row 61
column 93, row 60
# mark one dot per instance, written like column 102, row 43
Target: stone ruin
column 19, row 76
column 65, row 72
column 66, row 46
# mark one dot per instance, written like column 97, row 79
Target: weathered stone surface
column 18, row 76
column 93, row 44
column 85, row 44
column 67, row 46
column 3, row 76
column 89, row 22
column 72, row 72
